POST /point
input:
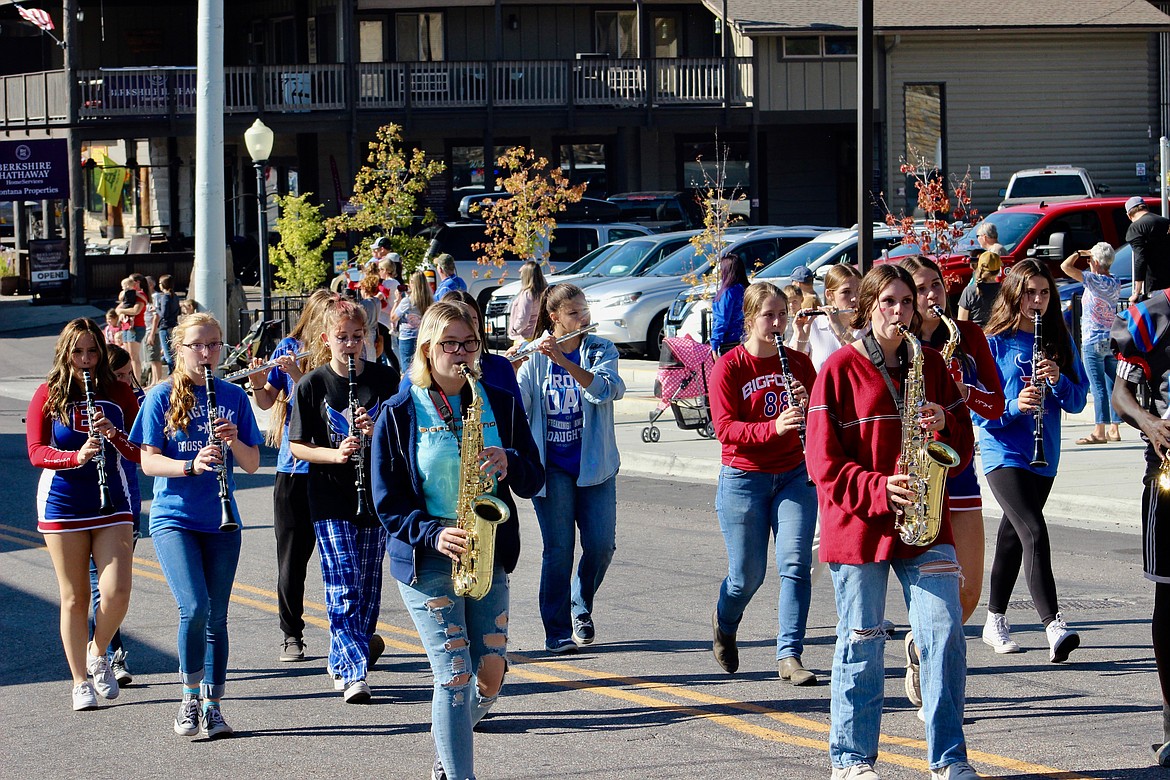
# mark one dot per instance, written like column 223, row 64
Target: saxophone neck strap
column 443, row 406
column 878, row 358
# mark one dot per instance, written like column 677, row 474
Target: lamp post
column 258, row 138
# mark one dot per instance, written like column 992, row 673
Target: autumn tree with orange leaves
column 945, row 203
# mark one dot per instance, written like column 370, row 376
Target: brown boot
column 792, row 670
column 724, row 647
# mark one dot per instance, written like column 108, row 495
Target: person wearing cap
column 802, row 277
column 1149, row 235
column 976, row 300
column 448, row 278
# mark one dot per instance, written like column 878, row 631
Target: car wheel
column 655, row 335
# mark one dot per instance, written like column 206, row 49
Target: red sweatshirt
column 979, row 371
column 747, row 395
column 854, row 439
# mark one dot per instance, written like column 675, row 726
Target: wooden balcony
column 38, row 99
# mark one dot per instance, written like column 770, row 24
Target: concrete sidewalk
column 18, row 313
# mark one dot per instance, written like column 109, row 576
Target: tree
column 386, row 197
column 305, row 235
column 522, row 225
column 718, row 215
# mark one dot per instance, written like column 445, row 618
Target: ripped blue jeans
column 459, row 635
column 930, row 585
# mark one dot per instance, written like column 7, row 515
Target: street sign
column 48, row 261
column 34, row 170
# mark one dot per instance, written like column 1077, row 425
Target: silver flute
column 271, row 364
column 534, row 347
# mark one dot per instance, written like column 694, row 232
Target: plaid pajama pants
column 351, row 567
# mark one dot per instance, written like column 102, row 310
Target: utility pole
column 75, row 218
column 864, row 133
column 209, row 278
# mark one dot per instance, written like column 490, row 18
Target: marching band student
column 854, row 441
column 417, row 478
column 493, row 369
column 973, row 370
column 198, row 560
column 819, row 337
column 764, row 488
column 291, row 521
column 568, row 391
column 329, row 429
column 1006, row 446
column 59, row 433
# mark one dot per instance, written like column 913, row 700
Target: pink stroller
column 681, row 384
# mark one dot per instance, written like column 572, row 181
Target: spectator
column 802, row 277
column 131, row 307
column 526, row 305
column 389, row 288
column 988, row 237
column 727, row 308
column 168, row 310
column 151, row 348
column 187, row 306
column 408, row 315
column 1099, row 309
column 1149, row 235
column 370, row 305
column 113, row 329
column 448, row 278
column 977, row 299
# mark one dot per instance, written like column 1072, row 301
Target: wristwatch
column 189, row 468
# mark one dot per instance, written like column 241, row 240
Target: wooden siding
column 1015, row 101
column 804, row 85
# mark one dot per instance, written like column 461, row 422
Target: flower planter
column 9, row 285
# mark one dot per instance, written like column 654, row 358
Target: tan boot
column 792, row 670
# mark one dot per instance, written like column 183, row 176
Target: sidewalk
column 18, row 313
column 1096, row 486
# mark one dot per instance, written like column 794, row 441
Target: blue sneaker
column 583, row 631
column 561, row 646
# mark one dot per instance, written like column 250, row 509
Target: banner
column 34, row 170
column 48, row 261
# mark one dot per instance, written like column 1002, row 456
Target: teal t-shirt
column 438, row 449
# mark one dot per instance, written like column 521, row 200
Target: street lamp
column 258, row 138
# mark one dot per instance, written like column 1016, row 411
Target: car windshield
column 683, row 261
column 1011, row 226
column 649, row 210
column 590, row 261
column 802, row 255
column 1050, row 185
column 458, row 242
column 624, row 260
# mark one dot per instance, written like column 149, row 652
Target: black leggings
column 295, row 542
column 1022, row 538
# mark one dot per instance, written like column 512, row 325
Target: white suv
column 1049, row 185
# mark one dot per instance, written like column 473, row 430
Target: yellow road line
column 535, row 670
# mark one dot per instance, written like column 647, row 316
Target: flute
column 819, row 312
column 534, row 347
column 359, row 459
column 271, row 364
column 227, row 517
column 100, row 458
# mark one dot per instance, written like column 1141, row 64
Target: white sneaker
column 997, row 633
column 855, row 772
column 960, row 770
column 1062, row 640
column 103, row 676
column 84, row 697
column 357, row 693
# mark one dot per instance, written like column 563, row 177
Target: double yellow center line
column 742, row 717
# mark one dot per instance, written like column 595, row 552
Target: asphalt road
column 646, row 701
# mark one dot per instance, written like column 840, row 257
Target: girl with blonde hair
column 525, row 306
column 408, row 314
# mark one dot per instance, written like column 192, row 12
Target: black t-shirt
column 1150, row 239
column 320, row 415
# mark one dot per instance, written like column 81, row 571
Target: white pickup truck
column 1050, row 184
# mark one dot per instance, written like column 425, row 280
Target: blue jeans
column 930, row 584
column 457, row 634
column 164, row 338
column 406, row 352
column 1101, row 368
column 753, row 505
column 200, row 568
column 564, row 508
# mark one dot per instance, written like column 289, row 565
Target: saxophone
column 477, row 511
column 926, row 462
column 948, row 350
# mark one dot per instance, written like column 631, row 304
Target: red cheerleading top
column 67, row 496
column 747, row 394
column 854, row 439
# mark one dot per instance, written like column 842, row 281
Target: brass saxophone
column 948, row 350
column 477, row 511
column 927, row 462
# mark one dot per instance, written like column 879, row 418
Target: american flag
column 36, row 16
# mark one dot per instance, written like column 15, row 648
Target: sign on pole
column 34, row 170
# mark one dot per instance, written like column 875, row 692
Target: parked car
column 660, row 211
column 631, row 312
column 570, row 242
column 690, row 309
column 1052, row 184
column 584, row 210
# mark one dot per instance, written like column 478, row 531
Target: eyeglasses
column 201, row 347
column 451, row 347
column 347, row 340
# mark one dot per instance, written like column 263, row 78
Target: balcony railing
column 158, row 92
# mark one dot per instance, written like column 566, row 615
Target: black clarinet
column 788, row 380
column 358, row 458
column 227, row 517
column 99, row 459
column 1038, row 458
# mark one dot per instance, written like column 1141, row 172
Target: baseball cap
column 988, row 266
column 802, row 273
column 381, row 242
column 1134, row 202
column 394, row 257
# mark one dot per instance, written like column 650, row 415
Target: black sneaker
column 583, row 631
column 213, row 724
column 560, row 646
column 724, row 647
column 377, row 647
column 294, row 650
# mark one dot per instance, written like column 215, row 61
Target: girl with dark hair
column 727, row 308
column 61, row 441
column 1006, row 445
column 764, row 489
column 523, row 311
column 568, row 391
column 855, row 436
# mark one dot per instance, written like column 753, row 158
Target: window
column 701, row 162
column 827, row 46
column 840, row 45
column 585, row 163
column 419, row 37
column 665, row 37
column 370, row 40
column 617, row 234
column 467, row 169
column 925, row 125
column 802, row 47
column 617, row 33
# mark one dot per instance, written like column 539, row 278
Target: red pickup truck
column 1048, row 232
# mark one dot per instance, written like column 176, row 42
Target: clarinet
column 227, row 517
column 788, row 379
column 100, row 458
column 1038, row 458
column 359, row 458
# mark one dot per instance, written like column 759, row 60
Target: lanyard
column 443, row 407
column 878, row 358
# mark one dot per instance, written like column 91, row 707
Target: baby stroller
column 681, row 384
